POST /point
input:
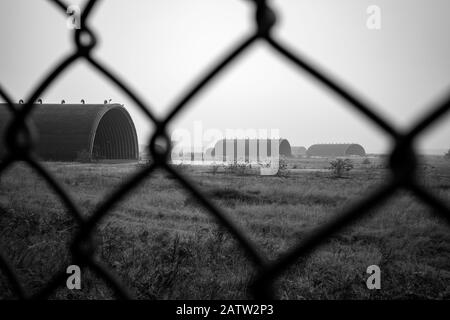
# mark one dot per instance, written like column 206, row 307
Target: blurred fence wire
column 19, row 140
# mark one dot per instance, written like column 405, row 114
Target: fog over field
column 161, row 46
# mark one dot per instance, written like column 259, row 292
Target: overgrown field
column 163, row 245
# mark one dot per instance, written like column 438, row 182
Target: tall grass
column 163, row 245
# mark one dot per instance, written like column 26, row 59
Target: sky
column 161, row 46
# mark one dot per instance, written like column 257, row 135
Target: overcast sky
column 160, row 46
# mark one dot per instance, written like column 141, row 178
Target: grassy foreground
column 163, row 245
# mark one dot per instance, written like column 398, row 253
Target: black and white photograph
column 243, row 151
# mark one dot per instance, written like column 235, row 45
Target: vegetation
column 283, row 170
column 239, row 168
column 447, row 155
column 340, row 167
column 162, row 244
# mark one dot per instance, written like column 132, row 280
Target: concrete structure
column 98, row 131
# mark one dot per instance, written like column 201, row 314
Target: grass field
column 163, row 245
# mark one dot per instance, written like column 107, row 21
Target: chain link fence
column 19, row 139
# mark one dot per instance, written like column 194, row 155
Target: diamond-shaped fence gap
column 101, row 91
column 434, row 163
column 331, row 83
column 414, row 245
column 212, row 73
column 412, row 266
column 336, row 270
column 35, row 241
column 41, row 44
column 221, row 216
column 94, row 284
column 151, row 60
column 428, row 143
column 85, row 244
column 433, row 172
column 89, row 193
column 284, row 92
column 314, row 239
column 162, row 246
column 268, row 208
column 337, row 38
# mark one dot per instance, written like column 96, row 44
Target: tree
column 447, row 155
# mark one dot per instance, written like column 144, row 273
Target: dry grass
column 163, row 245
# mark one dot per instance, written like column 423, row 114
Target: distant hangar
column 336, row 150
column 103, row 131
column 249, row 149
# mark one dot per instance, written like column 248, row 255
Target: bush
column 447, row 155
column 282, row 168
column 240, row 168
column 366, row 161
column 339, row 167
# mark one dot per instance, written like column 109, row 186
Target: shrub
column 282, row 168
column 366, row 161
column 447, row 155
column 339, row 167
column 240, row 168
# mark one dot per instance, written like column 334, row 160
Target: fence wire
column 19, row 139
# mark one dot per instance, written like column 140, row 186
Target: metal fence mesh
column 19, row 140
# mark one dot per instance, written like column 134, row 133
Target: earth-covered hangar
column 102, row 131
column 336, row 150
column 247, row 149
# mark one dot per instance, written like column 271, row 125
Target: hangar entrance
column 115, row 137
